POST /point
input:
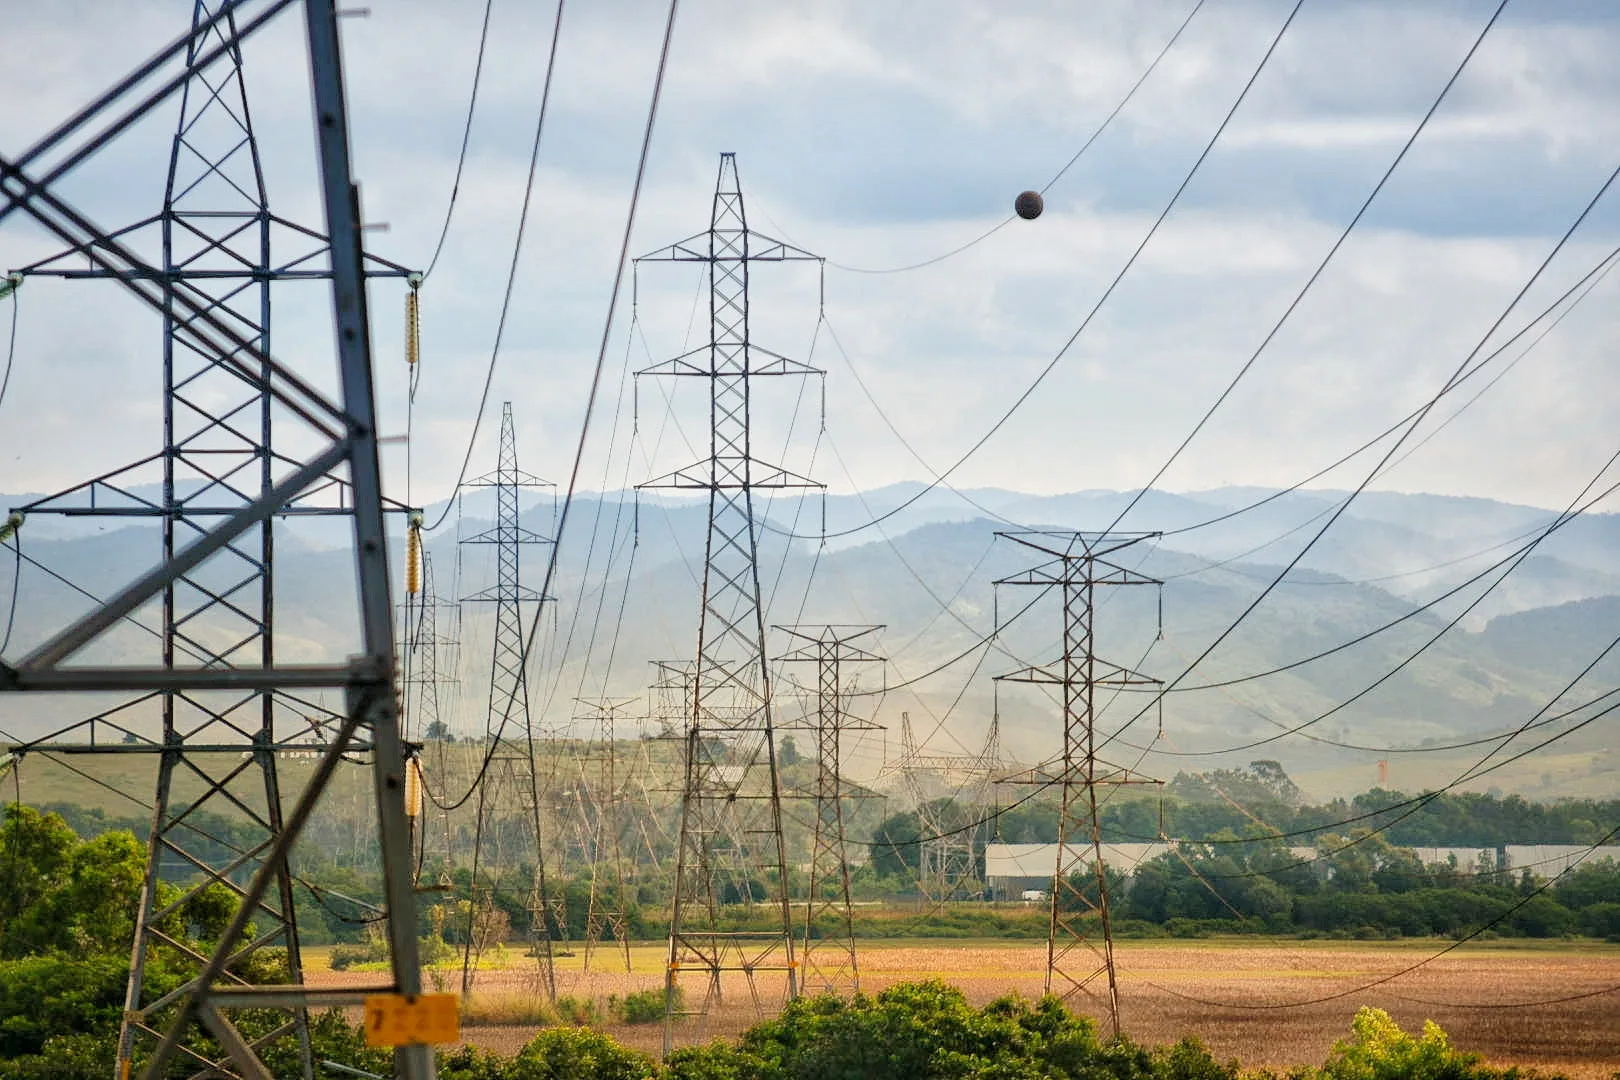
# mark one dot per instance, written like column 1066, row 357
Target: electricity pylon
column 213, row 694
column 943, row 789
column 603, row 799
column 431, row 659
column 509, row 728
column 830, row 964
column 217, row 242
column 731, row 847
column 1078, row 958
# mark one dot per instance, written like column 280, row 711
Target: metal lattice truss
column 830, row 964
column 431, row 659
column 222, row 484
column 512, row 784
column 731, row 849
column 601, row 795
column 944, row 790
column 1080, row 946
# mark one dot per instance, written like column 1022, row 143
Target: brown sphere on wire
column 1029, row 205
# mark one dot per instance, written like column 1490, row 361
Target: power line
column 1094, row 136
column 1119, row 277
column 511, row 273
column 1410, row 428
column 596, row 379
column 1512, row 561
column 1321, row 267
column 466, row 137
column 11, row 337
column 1586, row 282
column 1498, row 920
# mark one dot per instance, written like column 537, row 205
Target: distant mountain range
column 1493, row 652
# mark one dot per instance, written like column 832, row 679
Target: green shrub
column 573, row 1053
column 645, row 1006
column 471, row 1063
column 64, row 1057
column 716, row 1061
column 45, row 996
column 1379, row 1050
column 372, row 951
column 581, row 1012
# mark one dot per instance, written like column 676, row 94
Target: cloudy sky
column 880, row 135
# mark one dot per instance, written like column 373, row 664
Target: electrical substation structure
column 512, row 775
column 829, row 964
column 209, row 263
column 1079, row 943
column 731, row 847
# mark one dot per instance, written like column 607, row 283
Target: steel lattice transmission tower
column 1079, row 957
column 601, row 784
column 217, row 238
column 830, row 965
column 509, row 727
column 731, row 813
column 432, row 657
column 213, row 690
column 947, row 855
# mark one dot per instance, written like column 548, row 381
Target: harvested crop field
column 1484, row 996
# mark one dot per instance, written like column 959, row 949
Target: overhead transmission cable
column 1585, row 282
column 1321, row 267
column 512, row 269
column 466, row 137
column 1113, row 285
column 1093, row 137
column 596, row 380
column 1583, row 286
column 9, row 284
column 1511, row 561
column 1041, row 376
column 1410, row 428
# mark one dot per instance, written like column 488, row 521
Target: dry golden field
column 1580, row 1038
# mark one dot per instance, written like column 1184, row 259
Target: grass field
column 1260, row 1002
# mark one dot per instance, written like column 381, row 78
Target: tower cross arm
column 745, row 245
column 1106, row 675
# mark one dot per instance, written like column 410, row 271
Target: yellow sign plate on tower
column 398, row 1020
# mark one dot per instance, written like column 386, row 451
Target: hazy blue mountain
column 1477, row 663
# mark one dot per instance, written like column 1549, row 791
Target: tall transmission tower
column 945, row 789
column 216, row 238
column 509, row 727
column 222, row 482
column 731, row 843
column 830, row 964
column 1078, row 957
column 602, row 783
column 432, row 658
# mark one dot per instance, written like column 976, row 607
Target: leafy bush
column 64, row 1057
column 581, row 1012
column 574, row 1053
column 645, row 1006
column 1379, row 1050
column 44, row 996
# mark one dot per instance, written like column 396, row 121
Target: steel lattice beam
column 1080, row 959
column 731, row 841
column 509, row 727
column 217, row 554
column 830, row 964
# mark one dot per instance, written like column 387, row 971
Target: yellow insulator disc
column 413, row 327
column 413, row 561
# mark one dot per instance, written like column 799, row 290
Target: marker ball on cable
column 1029, row 205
